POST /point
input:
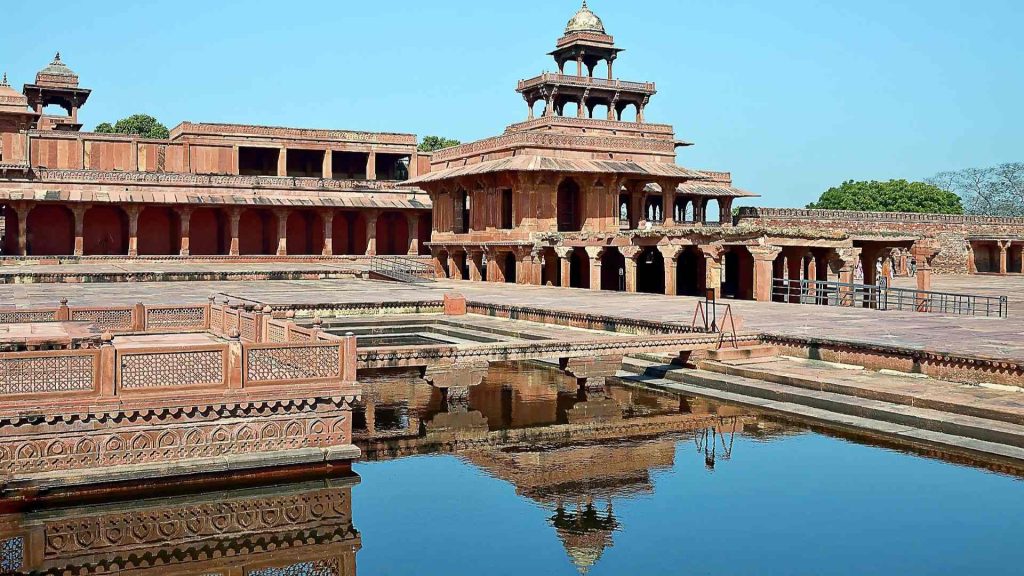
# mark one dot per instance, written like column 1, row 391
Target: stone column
column 327, row 216
column 476, row 265
column 371, row 166
column 631, row 253
column 413, row 220
column 812, row 277
column 725, row 211
column 185, row 217
column 671, row 256
column 1004, row 248
column 924, row 251
column 133, row 229
column 764, row 262
column 972, row 265
column 282, row 231
column 22, row 211
column 371, row 232
column 234, row 216
column 668, row 203
column 454, row 270
column 282, row 162
column 328, row 168
column 700, row 210
column 435, row 260
column 594, row 253
column 565, row 266
column 713, row 264
column 79, row 213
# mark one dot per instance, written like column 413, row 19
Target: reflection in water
column 304, row 528
column 584, row 457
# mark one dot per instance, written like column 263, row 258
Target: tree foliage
column 891, row 196
column 993, row 191
column 432, row 143
column 139, row 124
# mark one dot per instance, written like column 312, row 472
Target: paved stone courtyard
column 988, row 337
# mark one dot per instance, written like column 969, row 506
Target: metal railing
column 401, row 269
column 884, row 297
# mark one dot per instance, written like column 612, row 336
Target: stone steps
column 830, row 407
column 903, row 396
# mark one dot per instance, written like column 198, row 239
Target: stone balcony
column 586, row 82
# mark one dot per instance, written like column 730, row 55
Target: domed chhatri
column 57, row 68
column 585, row 21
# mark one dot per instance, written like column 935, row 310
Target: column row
column 53, row 229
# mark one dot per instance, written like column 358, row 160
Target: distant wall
column 952, row 231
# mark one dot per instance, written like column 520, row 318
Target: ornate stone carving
column 292, row 363
column 30, row 374
column 173, row 369
column 182, row 317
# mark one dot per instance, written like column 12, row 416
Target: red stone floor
column 990, row 337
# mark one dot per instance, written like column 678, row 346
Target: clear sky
column 792, row 96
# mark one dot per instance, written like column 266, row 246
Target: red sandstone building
column 209, row 190
column 586, row 193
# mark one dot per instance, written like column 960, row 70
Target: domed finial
column 57, row 57
column 4, row 81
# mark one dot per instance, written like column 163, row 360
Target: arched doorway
column 579, row 269
column 650, row 271
column 207, row 234
column 392, row 234
column 305, row 233
column 51, row 231
column 613, row 270
column 569, row 206
column 691, row 272
column 105, row 232
column 159, row 231
column 257, row 232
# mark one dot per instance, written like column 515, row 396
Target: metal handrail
column 401, row 269
column 884, row 297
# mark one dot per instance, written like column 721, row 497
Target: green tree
column 891, row 196
column 432, row 143
column 139, row 124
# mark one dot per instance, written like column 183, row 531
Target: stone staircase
column 931, row 413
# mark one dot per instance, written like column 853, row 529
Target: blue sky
column 791, row 96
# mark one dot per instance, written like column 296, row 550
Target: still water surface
column 526, row 474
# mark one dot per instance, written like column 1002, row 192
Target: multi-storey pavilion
column 208, row 190
column 586, row 193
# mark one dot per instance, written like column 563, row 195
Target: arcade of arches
column 682, row 267
column 55, row 229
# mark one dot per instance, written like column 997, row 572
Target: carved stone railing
column 213, row 180
column 555, row 140
column 752, row 212
column 586, row 82
column 25, row 375
column 138, row 318
column 590, row 123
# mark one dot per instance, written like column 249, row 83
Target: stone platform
column 984, row 337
